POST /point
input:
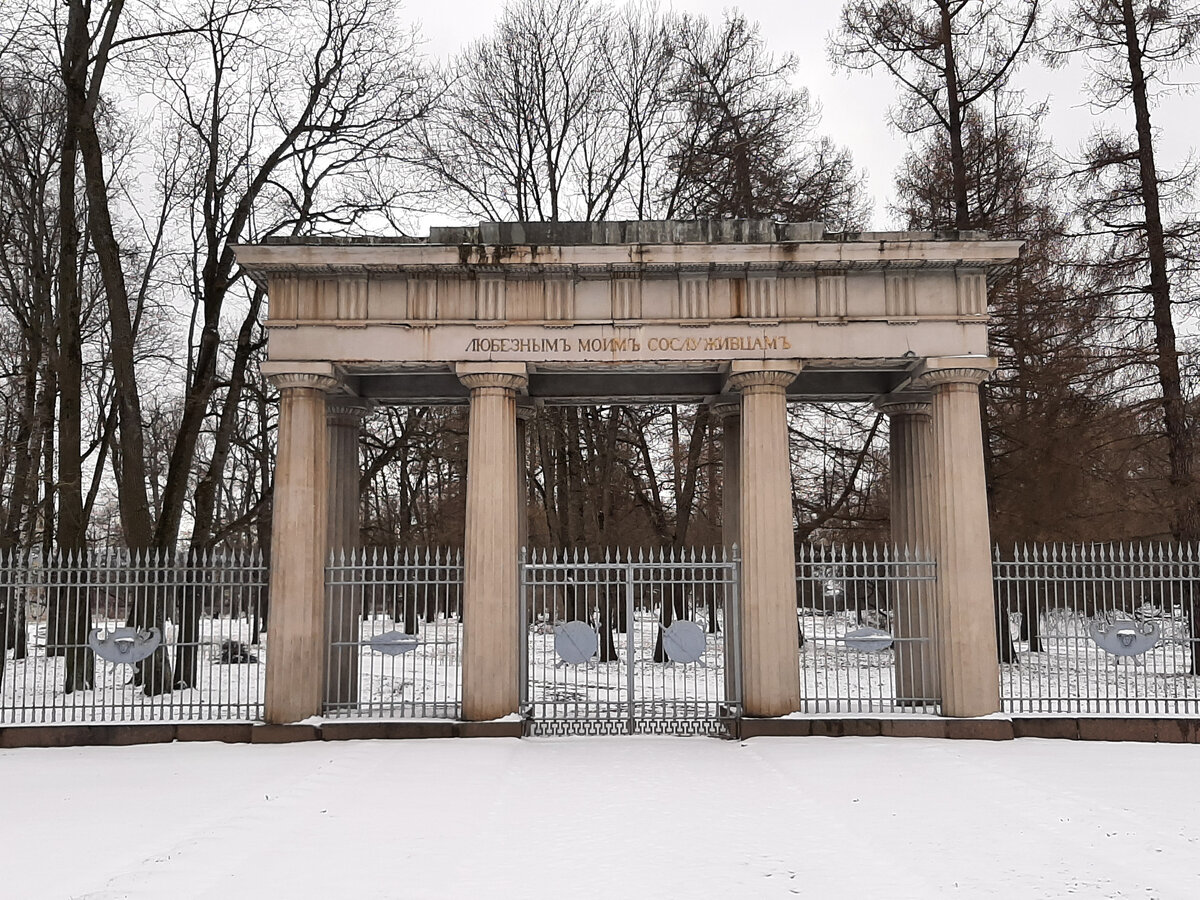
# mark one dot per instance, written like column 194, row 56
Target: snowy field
column 615, row 817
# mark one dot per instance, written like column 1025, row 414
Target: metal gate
column 630, row 642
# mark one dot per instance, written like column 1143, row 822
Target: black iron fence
column 395, row 633
column 114, row 636
column 867, row 629
column 120, row 636
column 1099, row 628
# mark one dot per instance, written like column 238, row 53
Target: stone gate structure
column 746, row 315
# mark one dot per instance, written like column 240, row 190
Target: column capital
column 747, row 376
column 505, row 376
column 342, row 409
column 524, row 413
column 305, row 380
column 905, row 403
column 966, row 370
column 727, row 409
column 287, row 374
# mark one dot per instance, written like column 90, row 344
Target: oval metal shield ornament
column 393, row 643
column 124, row 645
column 1125, row 637
column 683, row 641
column 868, row 640
column 576, row 642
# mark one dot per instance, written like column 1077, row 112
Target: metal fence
column 395, row 633
column 630, row 641
column 115, row 636
column 867, row 630
column 1099, row 628
column 642, row 641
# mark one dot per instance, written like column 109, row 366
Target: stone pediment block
column 831, row 296
column 763, row 296
column 693, row 296
column 490, row 298
column 972, row 293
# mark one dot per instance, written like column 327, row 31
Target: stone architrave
column 769, row 628
column 490, row 653
column 966, row 613
column 299, row 534
column 343, row 417
column 913, row 500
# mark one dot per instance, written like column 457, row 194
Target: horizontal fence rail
column 394, row 625
column 1099, row 628
column 120, row 636
column 867, row 629
column 625, row 641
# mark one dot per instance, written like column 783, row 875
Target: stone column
column 769, row 628
column 299, row 529
column 490, row 653
column 730, row 415
column 966, row 617
column 524, row 414
column 914, row 615
column 343, row 418
column 731, row 448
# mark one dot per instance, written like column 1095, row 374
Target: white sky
column 854, row 104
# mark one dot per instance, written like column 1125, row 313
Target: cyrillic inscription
column 579, row 346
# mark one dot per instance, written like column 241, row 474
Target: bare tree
column 1128, row 200
column 746, row 146
column 947, row 55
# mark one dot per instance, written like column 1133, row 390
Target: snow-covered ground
column 612, row 817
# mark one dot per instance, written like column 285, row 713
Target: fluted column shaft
column 343, row 419
column 967, row 658
column 491, row 657
column 769, row 629
column 524, row 414
column 731, row 449
column 912, row 508
column 299, row 529
column 731, row 514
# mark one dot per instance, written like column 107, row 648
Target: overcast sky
column 854, row 104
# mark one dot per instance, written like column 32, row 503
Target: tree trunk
column 206, row 490
column 68, row 619
column 954, row 122
column 1186, row 524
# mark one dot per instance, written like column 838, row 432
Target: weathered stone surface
column 913, row 506
column 299, row 529
column 980, row 729
column 769, row 629
column 284, row 734
column 490, row 654
column 969, row 675
column 1037, row 727
column 1115, row 729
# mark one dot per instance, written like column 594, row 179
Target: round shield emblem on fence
column 1125, row 637
column 867, row 640
column 683, row 641
column 124, row 645
column 576, row 642
column 393, row 643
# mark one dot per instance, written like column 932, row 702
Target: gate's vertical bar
column 733, row 631
column 629, row 628
column 523, row 631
